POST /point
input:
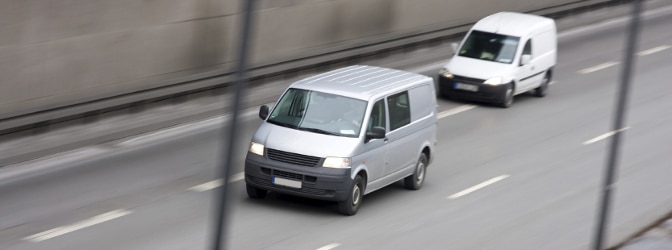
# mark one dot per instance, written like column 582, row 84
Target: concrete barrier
column 62, row 52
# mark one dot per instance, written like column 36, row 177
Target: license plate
column 467, row 87
column 286, row 182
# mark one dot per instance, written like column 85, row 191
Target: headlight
column 257, row 148
column 494, row 81
column 336, row 162
column 445, row 73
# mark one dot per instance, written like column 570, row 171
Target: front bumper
column 484, row 92
column 316, row 182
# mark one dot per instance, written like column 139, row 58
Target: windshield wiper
column 282, row 124
column 317, row 130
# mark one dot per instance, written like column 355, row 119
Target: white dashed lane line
column 653, row 50
column 216, row 183
column 454, row 111
column 604, row 136
column 77, row 226
column 330, row 246
column 598, row 67
column 479, row 186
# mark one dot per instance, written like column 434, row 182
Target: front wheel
column 351, row 205
column 507, row 99
column 414, row 181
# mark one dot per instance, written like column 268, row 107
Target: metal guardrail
column 181, row 87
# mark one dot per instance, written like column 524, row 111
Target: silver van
column 343, row 134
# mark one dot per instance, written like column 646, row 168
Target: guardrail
column 183, row 87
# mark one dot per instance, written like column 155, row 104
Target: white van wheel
column 414, row 181
column 350, row 206
column 507, row 99
column 542, row 90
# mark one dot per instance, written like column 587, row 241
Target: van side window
column 400, row 111
column 377, row 117
column 527, row 50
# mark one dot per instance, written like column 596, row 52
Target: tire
column 542, row 90
column 414, row 181
column 507, row 98
column 256, row 193
column 351, row 205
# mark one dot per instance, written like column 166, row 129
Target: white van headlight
column 257, row 148
column 336, row 162
column 494, row 81
column 444, row 72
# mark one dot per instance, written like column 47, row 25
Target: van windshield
column 490, row 47
column 319, row 112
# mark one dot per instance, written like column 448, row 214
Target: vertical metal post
column 223, row 198
column 619, row 118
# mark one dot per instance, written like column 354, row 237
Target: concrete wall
column 56, row 52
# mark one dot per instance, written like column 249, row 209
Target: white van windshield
column 319, row 113
column 490, row 47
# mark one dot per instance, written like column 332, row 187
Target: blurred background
column 111, row 112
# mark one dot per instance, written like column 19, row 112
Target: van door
column 529, row 76
column 399, row 113
column 376, row 151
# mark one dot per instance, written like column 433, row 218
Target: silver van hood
column 304, row 142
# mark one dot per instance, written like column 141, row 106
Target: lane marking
column 77, row 226
column 216, row 183
column 598, row 67
column 330, row 246
column 604, row 136
column 206, row 186
column 237, row 177
column 479, row 186
column 453, row 111
column 653, row 50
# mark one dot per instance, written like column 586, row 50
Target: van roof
column 359, row 81
column 512, row 23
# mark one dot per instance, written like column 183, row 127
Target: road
column 526, row 177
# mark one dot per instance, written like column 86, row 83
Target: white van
column 503, row 55
column 345, row 133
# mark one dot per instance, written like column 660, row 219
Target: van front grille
column 287, row 175
column 464, row 79
column 292, row 158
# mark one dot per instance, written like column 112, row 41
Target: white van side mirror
column 525, row 59
column 453, row 46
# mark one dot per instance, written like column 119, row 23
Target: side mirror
column 263, row 112
column 375, row 133
column 525, row 59
column 453, row 46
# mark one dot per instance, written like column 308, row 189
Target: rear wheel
column 256, row 193
column 350, row 206
column 414, row 181
column 542, row 90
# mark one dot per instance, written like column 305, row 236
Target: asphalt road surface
column 526, row 177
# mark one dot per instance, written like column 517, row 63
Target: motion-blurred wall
column 58, row 52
